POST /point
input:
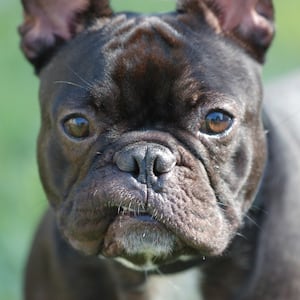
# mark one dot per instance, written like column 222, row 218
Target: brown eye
column 77, row 127
column 217, row 122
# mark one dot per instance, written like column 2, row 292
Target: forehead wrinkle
column 153, row 26
column 141, row 39
column 141, row 44
column 130, row 30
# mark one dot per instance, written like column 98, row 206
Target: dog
column 166, row 175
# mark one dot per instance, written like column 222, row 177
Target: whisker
column 252, row 221
column 95, row 192
column 129, row 206
column 71, row 83
column 119, row 208
column 79, row 77
column 241, row 235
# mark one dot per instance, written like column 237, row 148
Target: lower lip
column 144, row 218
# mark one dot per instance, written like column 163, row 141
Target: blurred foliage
column 284, row 53
column 21, row 198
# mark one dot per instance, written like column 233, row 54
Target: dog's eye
column 77, row 127
column 217, row 122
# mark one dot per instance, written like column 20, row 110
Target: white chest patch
column 184, row 285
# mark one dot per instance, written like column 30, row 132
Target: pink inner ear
column 44, row 20
column 249, row 21
column 247, row 15
column 233, row 12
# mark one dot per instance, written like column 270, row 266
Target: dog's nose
column 145, row 161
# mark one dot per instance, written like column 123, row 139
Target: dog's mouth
column 138, row 240
column 148, row 226
column 139, row 214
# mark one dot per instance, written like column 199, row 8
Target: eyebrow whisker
column 71, row 83
column 89, row 85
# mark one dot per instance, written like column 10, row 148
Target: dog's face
column 152, row 145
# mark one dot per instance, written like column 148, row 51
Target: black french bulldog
column 154, row 154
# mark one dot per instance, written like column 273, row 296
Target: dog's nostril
column 130, row 160
column 163, row 163
column 136, row 169
column 145, row 161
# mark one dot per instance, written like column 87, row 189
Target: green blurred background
column 21, row 198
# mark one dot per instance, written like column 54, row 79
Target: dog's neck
column 178, row 286
column 159, row 285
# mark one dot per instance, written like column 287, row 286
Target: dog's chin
column 139, row 242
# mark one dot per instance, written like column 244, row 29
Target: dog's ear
column 49, row 23
column 250, row 23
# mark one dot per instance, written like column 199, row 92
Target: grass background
column 21, row 198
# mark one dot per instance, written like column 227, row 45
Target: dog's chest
column 184, row 285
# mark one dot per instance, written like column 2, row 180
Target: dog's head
column 151, row 144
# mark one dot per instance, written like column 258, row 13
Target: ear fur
column 250, row 23
column 49, row 23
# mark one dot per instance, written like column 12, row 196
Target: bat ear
column 49, row 23
column 250, row 23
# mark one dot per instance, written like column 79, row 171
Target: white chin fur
column 148, row 266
